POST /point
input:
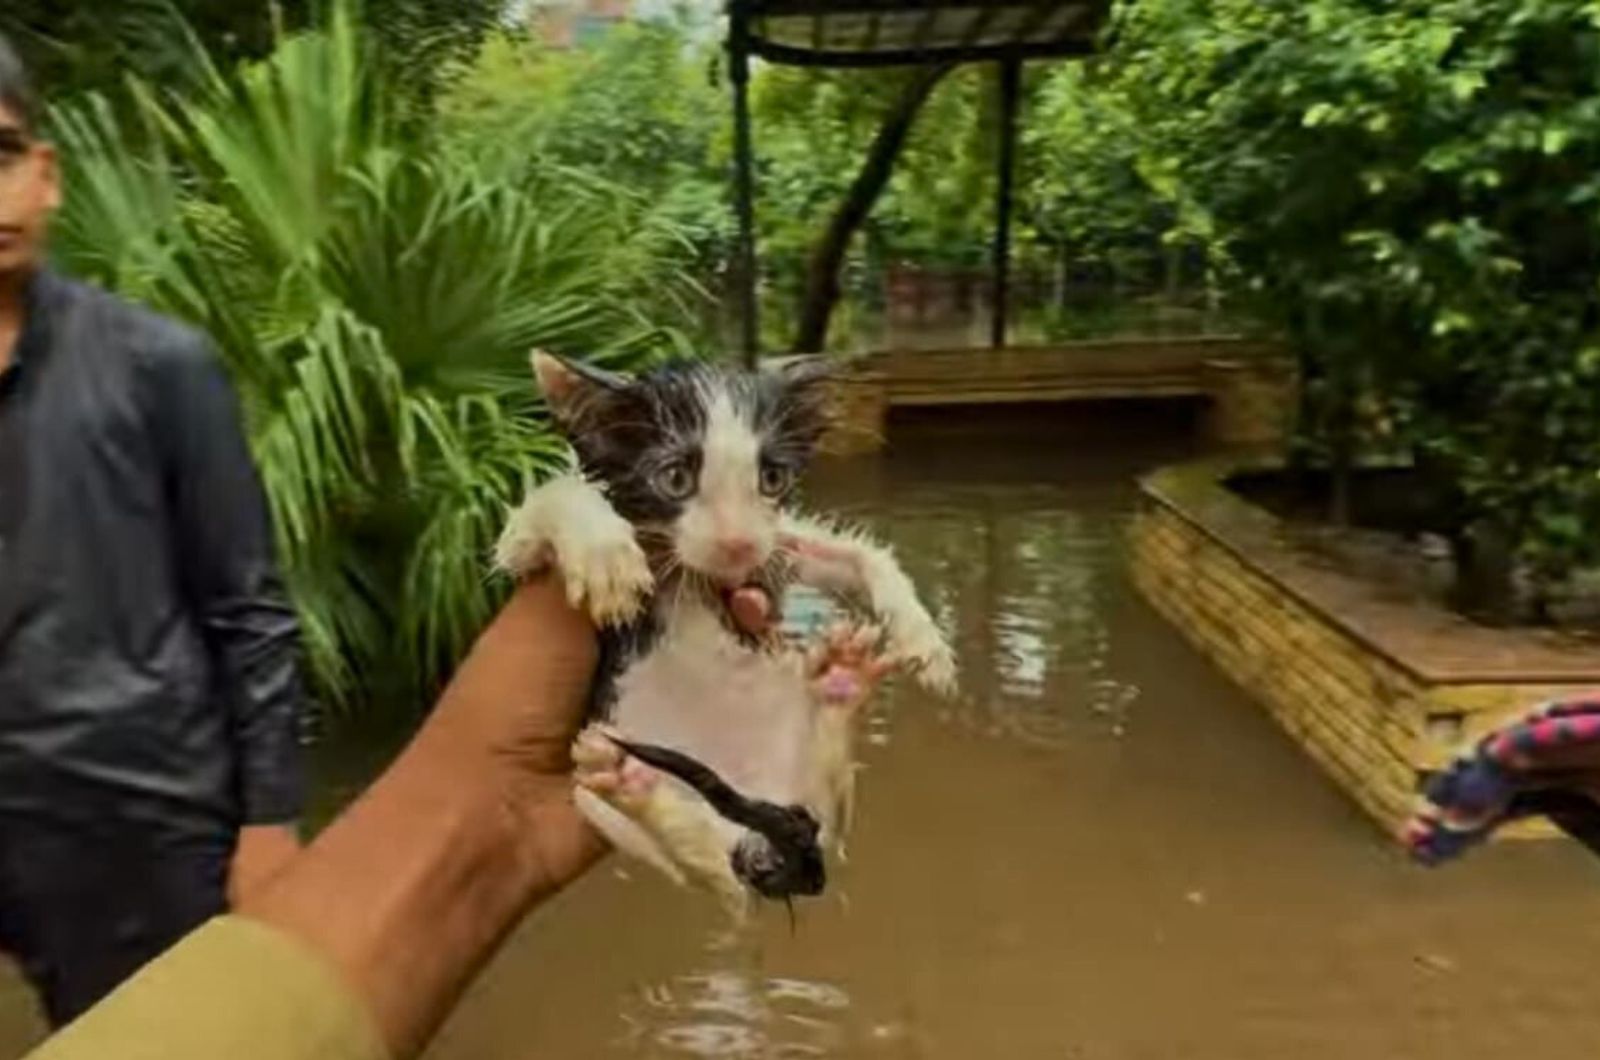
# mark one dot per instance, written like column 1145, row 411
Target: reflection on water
column 1021, row 580
column 1098, row 850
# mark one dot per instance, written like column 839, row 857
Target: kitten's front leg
column 846, row 562
column 568, row 523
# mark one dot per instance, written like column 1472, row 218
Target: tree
column 827, row 257
column 1409, row 191
column 78, row 45
column 1086, row 196
column 637, row 109
column 814, row 137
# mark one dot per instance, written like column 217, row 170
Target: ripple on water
column 727, row 1013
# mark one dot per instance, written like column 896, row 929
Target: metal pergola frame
column 886, row 33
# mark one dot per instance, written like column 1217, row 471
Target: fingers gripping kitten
column 657, row 820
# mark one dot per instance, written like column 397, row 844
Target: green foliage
column 646, row 106
column 637, row 109
column 812, row 131
column 375, row 299
column 1409, row 189
column 928, row 215
column 425, row 46
column 79, row 45
column 1086, row 192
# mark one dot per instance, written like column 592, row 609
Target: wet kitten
column 718, row 757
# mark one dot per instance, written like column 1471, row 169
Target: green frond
column 375, row 300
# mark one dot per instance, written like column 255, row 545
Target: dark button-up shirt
column 148, row 656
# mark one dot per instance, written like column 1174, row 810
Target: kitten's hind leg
column 651, row 817
column 842, row 561
column 843, row 668
column 568, row 524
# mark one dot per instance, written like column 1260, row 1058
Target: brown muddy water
column 1100, row 850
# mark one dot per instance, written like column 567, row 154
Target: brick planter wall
column 1379, row 692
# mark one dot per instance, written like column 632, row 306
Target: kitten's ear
column 806, row 406
column 803, row 372
column 569, row 386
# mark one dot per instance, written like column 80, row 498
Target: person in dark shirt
column 149, row 682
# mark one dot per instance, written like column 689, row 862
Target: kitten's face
column 700, row 458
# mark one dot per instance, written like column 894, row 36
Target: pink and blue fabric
column 1523, row 769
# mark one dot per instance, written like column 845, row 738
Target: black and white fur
column 679, row 498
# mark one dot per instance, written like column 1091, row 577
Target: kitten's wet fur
column 626, row 429
column 679, row 505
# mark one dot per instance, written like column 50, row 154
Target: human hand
column 410, row 889
column 509, row 717
column 517, row 703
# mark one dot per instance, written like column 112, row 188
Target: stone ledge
column 1247, row 386
column 1378, row 690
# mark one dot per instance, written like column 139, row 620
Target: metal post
column 744, row 184
column 1010, row 90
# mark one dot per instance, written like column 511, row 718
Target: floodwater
column 1099, row 851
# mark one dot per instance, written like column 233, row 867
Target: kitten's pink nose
column 738, row 553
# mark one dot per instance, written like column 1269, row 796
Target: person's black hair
column 16, row 90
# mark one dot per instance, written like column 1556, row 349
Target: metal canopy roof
column 897, row 32
column 858, row 33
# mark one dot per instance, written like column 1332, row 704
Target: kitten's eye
column 775, row 480
column 674, row 482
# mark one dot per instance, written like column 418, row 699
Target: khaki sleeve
column 233, row 988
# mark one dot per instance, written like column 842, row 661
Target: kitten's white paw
column 568, row 523
column 523, row 548
column 922, row 649
column 606, row 572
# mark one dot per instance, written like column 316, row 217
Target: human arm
column 223, row 538
column 361, row 945
column 260, row 853
column 411, row 889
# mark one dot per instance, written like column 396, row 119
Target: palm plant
column 375, row 306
